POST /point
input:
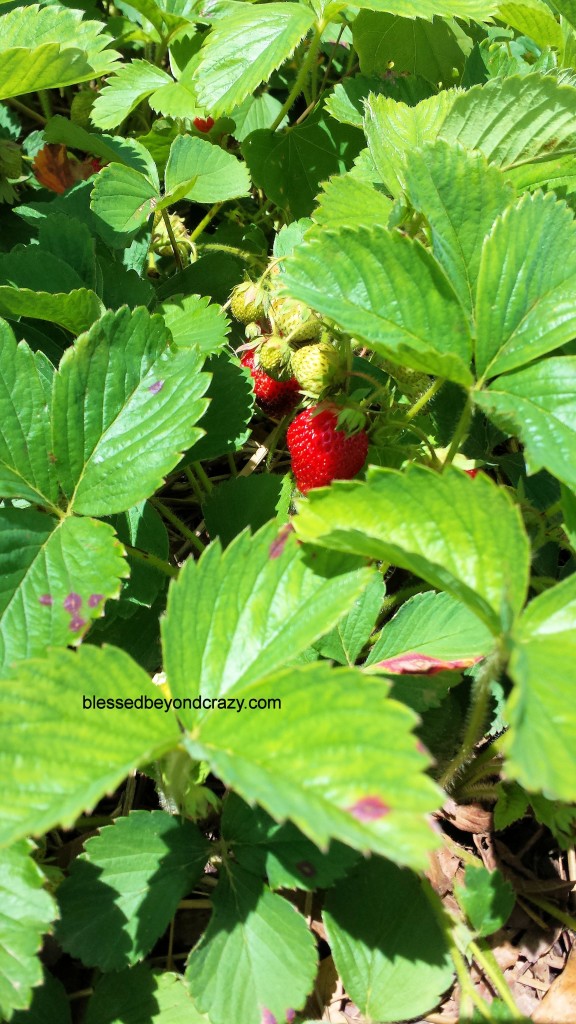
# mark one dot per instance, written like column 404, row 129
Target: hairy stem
column 301, row 78
column 177, row 523
column 172, row 238
column 476, row 721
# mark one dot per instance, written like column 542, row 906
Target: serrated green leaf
column 255, row 113
column 345, row 642
column 511, row 805
column 426, row 48
column 533, row 18
column 514, row 120
column 50, row 591
column 75, row 310
column 526, row 281
column 239, row 614
column 49, row 1002
column 27, row 913
column 269, row 944
column 50, row 47
column 464, row 539
column 460, row 195
column 124, row 408
column 280, row 852
column 346, row 101
column 215, row 174
column 69, row 240
column 486, row 898
column 394, row 129
column 242, row 502
column 112, row 148
column 387, row 290
column 123, row 198
column 538, row 404
column 138, row 996
column 541, row 742
column 312, row 151
column 42, row 711
column 387, row 943
column 124, row 90
column 226, row 422
column 228, row 71
column 142, row 527
column 558, row 173
column 369, row 790
column 26, row 470
column 346, row 201
column 195, row 322
column 434, row 625
column 123, row 890
column 479, row 10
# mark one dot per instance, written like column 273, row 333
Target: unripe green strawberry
column 317, row 367
column 247, row 302
column 412, row 383
column 81, row 108
column 294, row 320
column 274, row 358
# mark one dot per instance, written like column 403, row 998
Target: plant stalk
column 156, row 563
column 460, row 433
column 177, row 523
column 173, row 241
column 302, row 76
column 476, row 721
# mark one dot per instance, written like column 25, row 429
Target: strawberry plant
column 287, row 512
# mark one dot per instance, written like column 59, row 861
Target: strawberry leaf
column 111, row 914
column 43, row 709
column 387, row 942
column 236, row 615
column 367, row 789
column 543, row 666
column 469, row 543
column 538, row 404
column 272, row 976
column 27, row 912
column 50, row 591
column 124, row 408
column 228, row 72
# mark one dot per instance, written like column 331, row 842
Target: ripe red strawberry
column 203, row 124
column 320, row 452
column 275, row 398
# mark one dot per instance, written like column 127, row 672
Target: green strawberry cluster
column 290, row 342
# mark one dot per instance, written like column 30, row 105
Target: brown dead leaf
column 468, row 817
column 559, row 1004
column 54, row 168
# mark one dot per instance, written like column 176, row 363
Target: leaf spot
column 290, row 1016
column 156, row 387
column 306, row 868
column 46, row 599
column 76, row 623
column 268, row 1017
column 72, row 602
column 94, row 600
column 369, row 808
column 279, row 543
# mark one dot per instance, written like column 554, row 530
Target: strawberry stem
column 302, row 77
column 425, row 398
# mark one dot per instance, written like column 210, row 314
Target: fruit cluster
column 293, row 359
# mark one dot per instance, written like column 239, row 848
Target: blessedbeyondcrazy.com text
column 146, row 703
